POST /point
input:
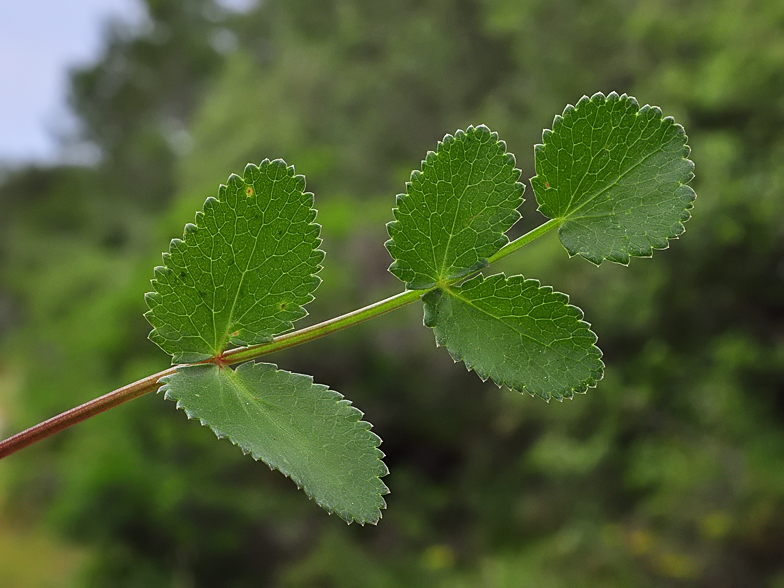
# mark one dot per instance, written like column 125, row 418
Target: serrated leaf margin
column 342, row 400
column 596, row 375
column 406, row 274
column 599, row 97
column 153, row 298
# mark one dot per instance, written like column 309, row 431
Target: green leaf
column 616, row 175
column 243, row 272
column 305, row 430
column 456, row 210
column 522, row 335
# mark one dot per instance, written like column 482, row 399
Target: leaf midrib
column 614, row 183
column 259, row 403
column 262, row 225
column 454, row 293
column 441, row 275
column 332, row 481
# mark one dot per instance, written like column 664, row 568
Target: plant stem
column 327, row 327
column 151, row 383
column 551, row 224
column 81, row 413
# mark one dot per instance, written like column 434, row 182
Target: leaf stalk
column 525, row 239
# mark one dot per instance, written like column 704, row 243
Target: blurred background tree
column 670, row 473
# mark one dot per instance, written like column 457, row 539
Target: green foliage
column 616, row 175
column 456, row 210
column 670, row 473
column 520, row 334
column 243, row 271
column 240, row 276
column 305, row 430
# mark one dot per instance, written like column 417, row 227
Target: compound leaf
column 522, row 335
column 305, row 430
column 616, row 175
column 243, row 272
column 455, row 210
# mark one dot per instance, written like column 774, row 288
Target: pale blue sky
column 39, row 41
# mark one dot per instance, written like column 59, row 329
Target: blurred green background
column 670, row 473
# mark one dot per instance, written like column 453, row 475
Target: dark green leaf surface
column 616, row 174
column 243, row 272
column 456, row 210
column 305, row 430
column 522, row 335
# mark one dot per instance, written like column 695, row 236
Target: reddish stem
column 81, row 413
